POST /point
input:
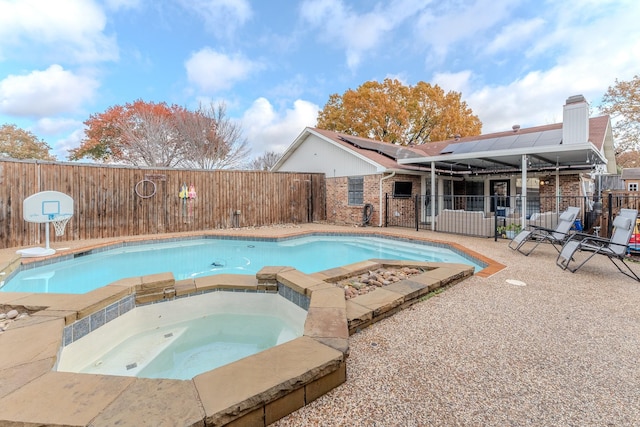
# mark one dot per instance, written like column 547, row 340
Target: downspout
column 380, row 197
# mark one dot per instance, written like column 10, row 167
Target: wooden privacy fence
column 115, row 201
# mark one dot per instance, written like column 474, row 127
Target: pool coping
column 31, row 393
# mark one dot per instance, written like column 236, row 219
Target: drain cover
column 516, row 282
column 132, row 365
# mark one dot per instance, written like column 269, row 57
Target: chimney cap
column 575, row 99
column 515, row 128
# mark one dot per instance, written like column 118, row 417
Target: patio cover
column 509, row 154
column 544, row 151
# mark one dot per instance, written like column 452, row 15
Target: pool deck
column 523, row 343
column 241, row 393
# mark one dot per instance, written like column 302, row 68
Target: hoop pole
column 46, row 235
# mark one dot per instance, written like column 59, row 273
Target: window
column 633, row 186
column 402, row 189
column 356, row 190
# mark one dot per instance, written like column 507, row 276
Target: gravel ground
column 560, row 350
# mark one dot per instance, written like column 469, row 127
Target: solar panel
column 390, row 150
column 458, row 148
column 549, row 137
column 502, row 142
column 524, row 140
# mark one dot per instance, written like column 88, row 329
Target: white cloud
column 44, row 93
column 356, row 33
column 123, row 4
column 459, row 82
column 70, row 31
column 590, row 53
column 49, row 126
column 222, row 17
column 268, row 130
column 515, row 35
column 212, row 71
column 62, row 146
column 443, row 27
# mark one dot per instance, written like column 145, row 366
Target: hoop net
column 59, row 223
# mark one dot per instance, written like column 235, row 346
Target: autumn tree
column 22, row 144
column 265, row 162
column 139, row 133
column 622, row 103
column 157, row 134
column 392, row 112
column 210, row 139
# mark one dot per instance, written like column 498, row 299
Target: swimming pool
column 185, row 337
column 207, row 256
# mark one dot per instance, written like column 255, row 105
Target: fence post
column 610, row 214
column 494, row 202
column 415, row 213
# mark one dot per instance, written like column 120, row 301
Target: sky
column 275, row 63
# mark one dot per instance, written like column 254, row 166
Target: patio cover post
column 557, row 198
column 524, row 190
column 433, row 196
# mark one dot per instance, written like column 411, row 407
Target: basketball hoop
column 60, row 222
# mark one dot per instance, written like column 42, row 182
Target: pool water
column 185, row 337
column 207, row 256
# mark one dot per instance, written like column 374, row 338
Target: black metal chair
column 615, row 248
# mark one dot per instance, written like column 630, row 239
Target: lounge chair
column 536, row 235
column 614, row 248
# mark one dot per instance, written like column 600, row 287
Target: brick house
column 533, row 167
column 631, row 178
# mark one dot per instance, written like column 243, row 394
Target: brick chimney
column 575, row 120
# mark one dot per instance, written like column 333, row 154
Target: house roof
column 503, row 151
column 499, row 152
column 631, row 173
column 381, row 154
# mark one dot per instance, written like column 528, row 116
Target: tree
column 392, row 112
column 150, row 134
column 22, row 144
column 265, row 162
column 210, row 139
column 622, row 103
column 141, row 134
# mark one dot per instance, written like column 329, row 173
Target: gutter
column 380, row 197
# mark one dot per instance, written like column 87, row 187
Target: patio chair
column 615, row 248
column 536, row 235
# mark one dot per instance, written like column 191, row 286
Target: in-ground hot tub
column 185, row 337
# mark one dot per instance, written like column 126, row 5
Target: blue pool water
column 182, row 338
column 207, row 256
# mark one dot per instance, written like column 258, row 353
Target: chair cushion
column 622, row 222
column 567, row 216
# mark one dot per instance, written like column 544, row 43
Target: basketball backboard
column 46, row 206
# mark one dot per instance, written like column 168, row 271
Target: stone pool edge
column 241, row 393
